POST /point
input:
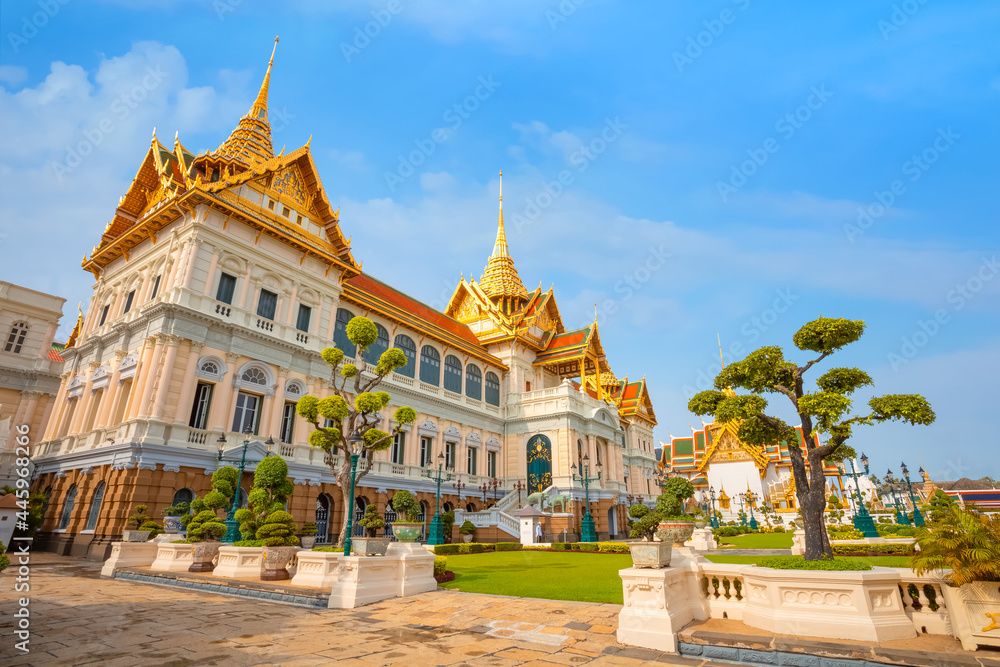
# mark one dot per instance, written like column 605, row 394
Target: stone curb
column 242, row 591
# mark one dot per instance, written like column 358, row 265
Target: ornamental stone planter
column 856, row 605
column 307, row 541
column 675, row 532
column 406, row 531
column 128, row 554
column 799, row 542
column 171, row 525
column 702, row 539
column 316, row 569
column 135, row 535
column 369, row 546
column 652, row 555
column 237, row 562
column 975, row 613
column 407, row 569
column 276, row 561
column 172, row 557
column 202, row 556
column 658, row 604
column 466, row 538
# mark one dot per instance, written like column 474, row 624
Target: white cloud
column 13, row 74
column 350, row 159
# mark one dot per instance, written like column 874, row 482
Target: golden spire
column 76, row 329
column 728, row 391
column 500, row 279
column 250, row 142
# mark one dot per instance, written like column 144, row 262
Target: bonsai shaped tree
column 204, row 522
column 448, row 520
column 180, row 509
column 646, row 522
column 371, row 521
column 938, row 506
column 404, row 503
column 964, row 540
column 141, row 521
column 309, row 529
column 467, row 528
column 264, row 522
column 670, row 504
column 354, row 408
column 824, row 410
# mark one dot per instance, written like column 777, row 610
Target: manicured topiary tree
column 264, row 522
column 139, row 520
column 670, row 503
column 404, row 503
column 309, row 528
column 354, row 407
column 371, row 521
column 823, row 410
column 644, row 522
column 204, row 524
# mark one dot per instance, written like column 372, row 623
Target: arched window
column 453, row 374
column 471, row 507
column 255, row 376
column 67, row 508
column 340, row 338
column 95, row 507
column 409, row 348
column 18, row 332
column 474, row 382
column 447, row 507
column 183, row 496
column 492, row 389
column 430, row 365
column 210, row 367
column 381, row 344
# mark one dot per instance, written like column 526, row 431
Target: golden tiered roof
column 500, row 279
column 250, row 143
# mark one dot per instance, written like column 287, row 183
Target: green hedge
column 799, row 563
column 329, row 549
column 440, row 564
column 508, row 546
column 584, row 546
column 445, row 549
column 872, row 549
column 613, row 547
column 562, row 546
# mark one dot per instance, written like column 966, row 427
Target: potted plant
column 406, row 531
column 370, row 545
column 448, row 521
column 645, row 551
column 968, row 542
column 265, row 520
column 141, row 526
column 172, row 517
column 308, row 537
column 205, row 529
column 675, row 526
column 466, row 530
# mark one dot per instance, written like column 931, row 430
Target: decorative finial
column 310, row 141
column 501, row 189
column 271, row 62
column 720, row 349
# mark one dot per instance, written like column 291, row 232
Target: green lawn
column 879, row 561
column 549, row 575
column 758, row 541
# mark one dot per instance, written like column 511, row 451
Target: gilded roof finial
column 500, row 278
column 250, row 142
column 720, row 349
column 76, row 329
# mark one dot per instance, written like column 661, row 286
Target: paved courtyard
column 78, row 618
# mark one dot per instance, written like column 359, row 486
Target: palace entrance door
column 539, row 456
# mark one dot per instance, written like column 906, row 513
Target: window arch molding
column 18, row 334
column 255, row 376
column 430, row 365
column 453, row 374
column 492, row 386
column 342, row 319
column 473, row 382
column 295, row 389
column 211, row 367
column 409, row 348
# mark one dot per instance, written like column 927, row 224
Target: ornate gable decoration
column 289, row 182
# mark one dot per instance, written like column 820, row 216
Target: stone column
column 163, row 387
column 149, row 377
column 189, row 383
column 211, row 272
column 142, row 293
column 272, row 425
column 85, row 400
column 111, row 396
column 26, row 409
column 290, row 316
column 245, row 287
column 192, row 260
column 59, row 407
column 225, row 400
column 116, row 303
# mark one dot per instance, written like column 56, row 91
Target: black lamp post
column 862, row 519
column 436, row 535
column 232, row 525
column 587, row 532
column 918, row 518
column 356, row 443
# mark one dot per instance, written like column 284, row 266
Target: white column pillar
column 189, row 382
column 166, row 375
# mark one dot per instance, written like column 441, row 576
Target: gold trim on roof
column 500, row 278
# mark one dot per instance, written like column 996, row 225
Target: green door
column 539, row 464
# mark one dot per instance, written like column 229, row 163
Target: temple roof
column 500, row 278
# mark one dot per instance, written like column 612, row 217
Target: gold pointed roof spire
column 500, row 278
column 250, row 143
column 76, row 329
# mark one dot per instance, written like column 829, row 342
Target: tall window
column 227, row 285
column 156, row 287
column 381, row 344
column 247, row 413
column 453, row 374
column 472, row 460
column 15, row 340
column 104, row 314
column 449, row 455
column 492, row 389
column 474, row 382
column 425, row 451
column 305, row 314
column 202, row 401
column 182, row 496
column 397, row 452
column 266, row 304
column 340, row 338
column 406, row 344
column 491, row 464
column 95, row 507
column 287, row 422
column 579, row 452
column 430, row 365
column 68, row 508
column 128, row 301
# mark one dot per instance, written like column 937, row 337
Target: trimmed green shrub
column 873, row 549
column 799, row 563
column 446, row 549
column 309, row 529
column 613, row 547
column 404, row 503
column 467, row 528
column 476, row 548
column 440, row 564
column 278, row 530
column 371, row 521
column 205, row 525
column 585, row 546
column 563, row 546
column 265, row 519
column 329, row 549
column 508, row 546
column 249, row 543
column 464, row 548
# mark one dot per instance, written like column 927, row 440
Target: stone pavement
column 78, row 618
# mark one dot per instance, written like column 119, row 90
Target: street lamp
column 436, row 535
column 518, row 487
column 355, row 442
column 862, row 519
column 232, row 525
column 918, row 518
column 587, row 533
column 901, row 517
column 484, row 488
column 743, row 514
column 751, row 498
column 459, row 485
column 714, row 522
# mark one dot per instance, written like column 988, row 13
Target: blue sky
column 732, row 166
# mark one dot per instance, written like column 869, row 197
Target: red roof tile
column 54, row 356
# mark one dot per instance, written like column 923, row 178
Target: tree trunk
column 810, row 490
column 343, row 476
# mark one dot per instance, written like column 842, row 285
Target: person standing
column 538, row 532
